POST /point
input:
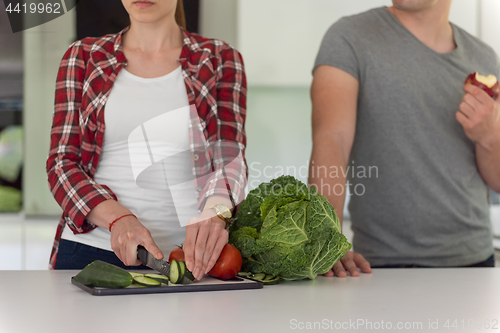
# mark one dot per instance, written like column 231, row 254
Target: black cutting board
column 207, row 283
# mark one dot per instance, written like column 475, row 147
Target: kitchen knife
column 158, row 265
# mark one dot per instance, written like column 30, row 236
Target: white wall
column 218, row 19
column 246, row 24
column 490, row 23
column 44, row 47
column 280, row 38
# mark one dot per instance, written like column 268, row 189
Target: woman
column 111, row 92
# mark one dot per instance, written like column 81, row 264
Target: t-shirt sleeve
column 338, row 49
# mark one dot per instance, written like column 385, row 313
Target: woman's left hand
column 205, row 239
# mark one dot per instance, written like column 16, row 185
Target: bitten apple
column 487, row 83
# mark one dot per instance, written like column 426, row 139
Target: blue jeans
column 490, row 262
column 73, row 255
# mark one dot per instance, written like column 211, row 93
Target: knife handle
column 142, row 254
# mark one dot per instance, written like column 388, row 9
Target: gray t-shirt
column 421, row 199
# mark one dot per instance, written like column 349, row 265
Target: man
column 388, row 95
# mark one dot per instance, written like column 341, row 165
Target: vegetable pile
column 105, row 275
column 286, row 230
column 227, row 266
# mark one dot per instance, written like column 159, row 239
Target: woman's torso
column 146, row 151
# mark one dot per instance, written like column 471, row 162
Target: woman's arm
column 74, row 190
column 86, row 203
column 228, row 147
column 126, row 234
column 206, row 239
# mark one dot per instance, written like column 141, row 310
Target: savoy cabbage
column 284, row 229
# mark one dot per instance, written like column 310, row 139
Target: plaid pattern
column 216, row 86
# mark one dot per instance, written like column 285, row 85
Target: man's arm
column 334, row 95
column 479, row 115
column 488, row 162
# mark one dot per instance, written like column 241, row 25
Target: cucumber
column 271, row 279
column 158, row 277
column 146, row 281
column 134, row 274
column 182, row 265
column 259, row 276
column 189, row 275
column 102, row 274
column 175, row 272
column 266, row 279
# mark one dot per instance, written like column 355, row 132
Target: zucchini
column 146, row 281
column 157, row 277
column 101, row 274
column 175, row 272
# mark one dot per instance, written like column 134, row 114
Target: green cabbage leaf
column 285, row 229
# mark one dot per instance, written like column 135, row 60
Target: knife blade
column 158, row 265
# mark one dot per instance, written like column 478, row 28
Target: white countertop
column 46, row 301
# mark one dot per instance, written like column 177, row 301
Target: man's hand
column 480, row 117
column 205, row 239
column 352, row 262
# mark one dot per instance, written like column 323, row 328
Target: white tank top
column 147, row 130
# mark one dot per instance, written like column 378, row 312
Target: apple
column 487, row 83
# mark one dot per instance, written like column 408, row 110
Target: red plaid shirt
column 215, row 83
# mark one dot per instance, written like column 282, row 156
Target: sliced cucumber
column 136, row 285
column 259, row 276
column 189, row 275
column 146, row 281
column 158, row 277
column 266, row 279
column 175, row 272
column 134, row 274
column 244, row 274
column 182, row 265
column 271, row 279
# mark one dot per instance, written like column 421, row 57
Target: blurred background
column 278, row 39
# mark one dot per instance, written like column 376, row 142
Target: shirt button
column 195, row 157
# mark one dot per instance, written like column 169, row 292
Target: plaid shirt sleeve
column 69, row 181
column 228, row 145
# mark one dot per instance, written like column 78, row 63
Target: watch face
column 224, row 211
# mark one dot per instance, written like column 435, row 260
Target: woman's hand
column 351, row 262
column 126, row 235
column 205, row 239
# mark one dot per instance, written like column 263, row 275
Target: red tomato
column 176, row 254
column 228, row 264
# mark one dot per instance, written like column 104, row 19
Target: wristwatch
column 223, row 212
